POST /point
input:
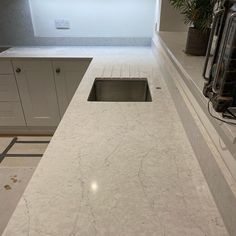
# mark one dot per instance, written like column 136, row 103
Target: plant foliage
column 198, row 13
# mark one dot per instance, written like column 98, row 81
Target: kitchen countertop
column 192, row 67
column 69, row 52
column 117, row 168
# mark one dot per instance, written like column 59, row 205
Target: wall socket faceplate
column 62, row 24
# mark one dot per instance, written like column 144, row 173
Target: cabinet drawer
column 11, row 114
column 6, row 67
column 8, row 88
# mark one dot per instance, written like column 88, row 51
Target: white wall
column 157, row 15
column 94, row 18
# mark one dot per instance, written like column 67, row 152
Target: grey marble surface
column 119, row 168
column 192, row 67
column 215, row 161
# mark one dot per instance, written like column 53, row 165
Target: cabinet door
column 68, row 74
column 37, row 91
column 8, row 88
column 11, row 114
column 5, row 67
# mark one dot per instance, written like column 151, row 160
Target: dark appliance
column 220, row 85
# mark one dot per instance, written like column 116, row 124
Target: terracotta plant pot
column 197, row 42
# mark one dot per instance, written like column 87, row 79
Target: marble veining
column 119, row 168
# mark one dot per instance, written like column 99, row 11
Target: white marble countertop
column 192, row 67
column 67, row 52
column 118, row 168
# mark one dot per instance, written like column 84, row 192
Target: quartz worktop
column 192, row 67
column 69, row 52
column 117, row 168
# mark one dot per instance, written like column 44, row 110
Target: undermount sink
column 120, row 90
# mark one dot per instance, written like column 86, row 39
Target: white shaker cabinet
column 11, row 113
column 68, row 74
column 8, row 88
column 37, row 90
column 6, row 67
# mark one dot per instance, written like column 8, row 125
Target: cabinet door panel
column 8, row 88
column 37, row 90
column 6, row 67
column 11, row 114
column 68, row 74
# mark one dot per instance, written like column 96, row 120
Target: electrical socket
column 62, row 24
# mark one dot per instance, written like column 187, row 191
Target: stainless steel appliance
column 220, row 85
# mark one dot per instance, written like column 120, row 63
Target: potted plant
column 198, row 14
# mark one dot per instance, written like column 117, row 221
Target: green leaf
column 198, row 13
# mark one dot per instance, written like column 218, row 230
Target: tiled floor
column 15, row 173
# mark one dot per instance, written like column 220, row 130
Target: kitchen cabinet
column 8, row 88
column 68, row 74
column 37, row 90
column 11, row 113
column 6, row 67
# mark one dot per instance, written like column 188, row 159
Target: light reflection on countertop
column 94, row 187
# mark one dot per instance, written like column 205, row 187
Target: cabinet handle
column 18, row 70
column 58, row 70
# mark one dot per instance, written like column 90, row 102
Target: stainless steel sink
column 120, row 90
